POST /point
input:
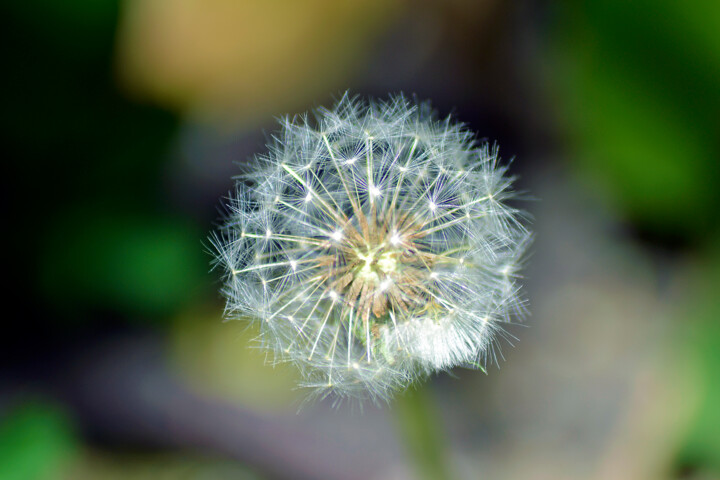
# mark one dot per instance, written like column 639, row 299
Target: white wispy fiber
column 372, row 245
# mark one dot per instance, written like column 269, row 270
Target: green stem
column 419, row 426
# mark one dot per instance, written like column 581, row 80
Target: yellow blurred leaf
column 220, row 359
column 234, row 60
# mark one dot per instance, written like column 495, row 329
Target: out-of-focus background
column 123, row 122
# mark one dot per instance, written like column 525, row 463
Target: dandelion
column 373, row 247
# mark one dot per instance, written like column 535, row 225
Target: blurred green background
column 123, row 124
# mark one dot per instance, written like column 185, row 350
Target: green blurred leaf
column 701, row 449
column 135, row 264
column 36, row 443
column 636, row 84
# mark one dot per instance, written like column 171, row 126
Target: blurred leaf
column 701, row 450
column 637, row 86
column 244, row 60
column 73, row 140
column 223, row 359
column 133, row 264
column 36, row 443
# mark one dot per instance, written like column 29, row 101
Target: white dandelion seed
column 374, row 247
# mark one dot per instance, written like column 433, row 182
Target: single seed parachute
column 373, row 247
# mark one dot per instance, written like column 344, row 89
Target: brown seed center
column 380, row 271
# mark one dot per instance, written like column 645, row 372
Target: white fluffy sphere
column 373, row 246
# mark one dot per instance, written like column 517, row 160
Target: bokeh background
column 123, row 122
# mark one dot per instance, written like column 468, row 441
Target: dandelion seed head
column 374, row 247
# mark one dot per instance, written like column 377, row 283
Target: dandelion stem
column 417, row 421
